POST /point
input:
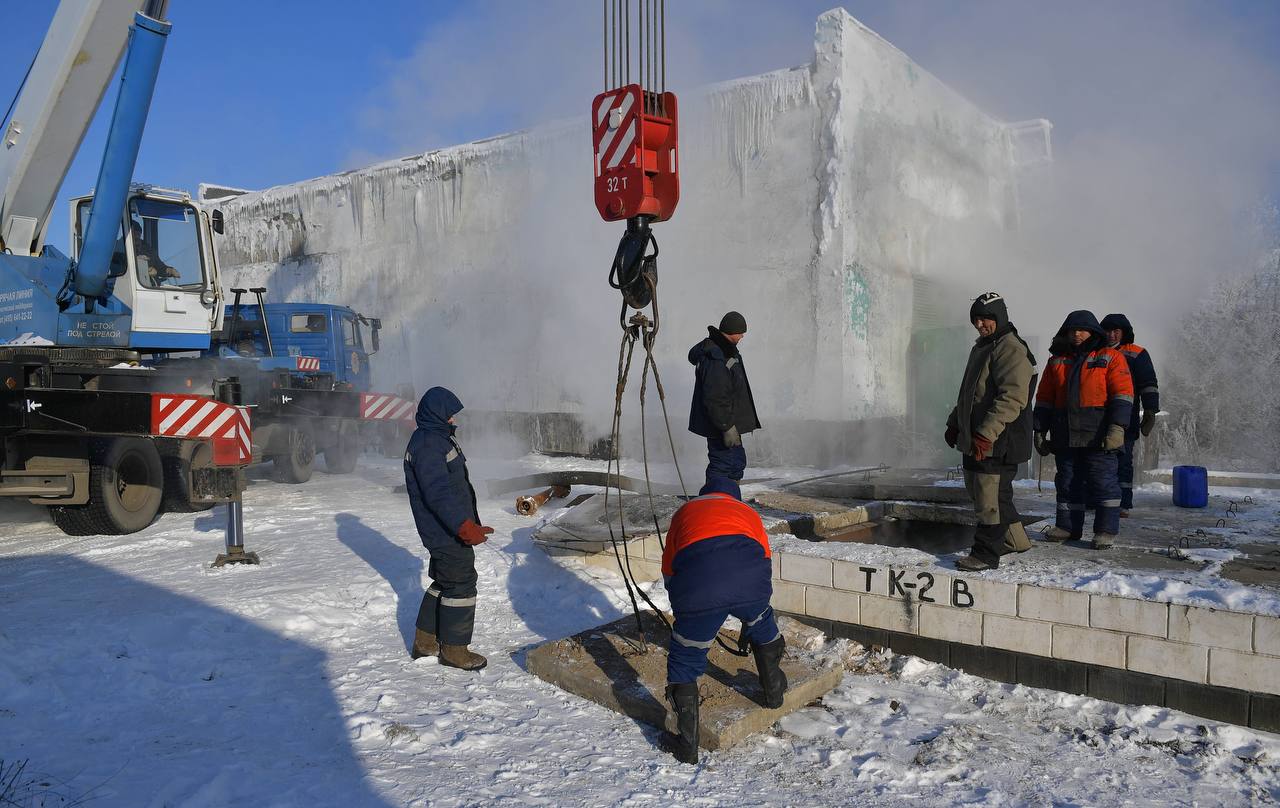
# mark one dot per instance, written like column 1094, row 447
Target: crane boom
column 62, row 93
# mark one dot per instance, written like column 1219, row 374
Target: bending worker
column 1147, row 390
column 991, row 426
column 1082, row 409
column 716, row 564
column 723, row 409
column 444, row 510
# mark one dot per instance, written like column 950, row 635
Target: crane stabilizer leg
column 235, row 553
column 228, row 391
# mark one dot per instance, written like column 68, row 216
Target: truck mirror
column 375, row 325
column 216, row 221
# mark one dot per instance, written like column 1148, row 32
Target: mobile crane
column 85, row 429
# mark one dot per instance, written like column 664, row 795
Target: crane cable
column 640, row 328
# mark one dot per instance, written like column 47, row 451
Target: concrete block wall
column 1191, row 644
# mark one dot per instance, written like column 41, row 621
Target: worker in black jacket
column 444, row 511
column 722, row 410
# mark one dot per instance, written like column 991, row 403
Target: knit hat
column 721, row 485
column 990, row 306
column 733, row 323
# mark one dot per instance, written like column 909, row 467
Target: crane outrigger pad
column 605, row 665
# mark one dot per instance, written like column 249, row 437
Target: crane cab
column 163, row 272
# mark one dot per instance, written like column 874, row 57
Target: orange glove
column 981, row 447
column 471, row 534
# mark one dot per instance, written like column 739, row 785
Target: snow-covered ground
column 132, row 674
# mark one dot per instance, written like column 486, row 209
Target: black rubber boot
column 684, row 700
column 769, row 666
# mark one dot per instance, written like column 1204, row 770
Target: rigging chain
column 645, row 331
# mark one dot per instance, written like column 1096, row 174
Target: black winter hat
column 990, row 306
column 1121, row 322
column 733, row 323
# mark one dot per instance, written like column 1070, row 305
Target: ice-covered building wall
column 812, row 200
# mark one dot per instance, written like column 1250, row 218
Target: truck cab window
column 351, row 333
column 308, row 324
column 119, row 260
column 166, row 243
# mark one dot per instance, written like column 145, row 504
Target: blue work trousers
column 1088, row 478
column 448, row 607
column 725, row 461
column 693, row 635
column 1126, row 476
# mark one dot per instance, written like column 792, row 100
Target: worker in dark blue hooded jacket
column 1147, row 394
column 716, row 563
column 444, row 509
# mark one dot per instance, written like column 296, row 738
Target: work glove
column 981, row 448
column 471, row 534
column 732, row 438
column 1148, row 422
column 953, row 435
column 1043, row 447
column 1114, row 441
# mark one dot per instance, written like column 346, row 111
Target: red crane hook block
column 636, row 171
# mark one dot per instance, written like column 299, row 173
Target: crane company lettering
column 17, row 306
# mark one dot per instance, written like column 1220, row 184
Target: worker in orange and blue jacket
column 1147, row 390
column 1082, row 407
column 716, row 564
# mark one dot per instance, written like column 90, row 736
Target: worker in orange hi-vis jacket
column 716, row 564
column 1082, row 407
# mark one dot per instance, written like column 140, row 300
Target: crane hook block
column 636, row 172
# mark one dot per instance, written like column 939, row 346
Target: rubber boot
column 684, row 700
column 459, row 656
column 769, row 666
column 425, row 644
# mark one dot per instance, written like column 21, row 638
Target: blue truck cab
column 339, row 338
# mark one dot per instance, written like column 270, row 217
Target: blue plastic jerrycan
column 1190, row 486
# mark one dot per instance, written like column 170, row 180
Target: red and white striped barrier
column 375, row 407
column 308, row 363
column 226, row 426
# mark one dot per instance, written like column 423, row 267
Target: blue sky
column 254, row 94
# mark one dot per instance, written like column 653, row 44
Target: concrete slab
column 1232, row 479
column 585, row 528
column 606, row 666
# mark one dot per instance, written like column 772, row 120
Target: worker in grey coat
column 991, row 426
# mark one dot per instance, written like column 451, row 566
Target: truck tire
column 126, row 485
column 177, row 478
column 341, row 457
column 296, row 466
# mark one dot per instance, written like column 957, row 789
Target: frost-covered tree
column 1224, row 390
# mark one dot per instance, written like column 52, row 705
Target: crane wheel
column 343, row 454
column 126, row 485
column 297, row 465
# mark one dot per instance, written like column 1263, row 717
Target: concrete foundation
column 611, row 667
column 834, row 566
